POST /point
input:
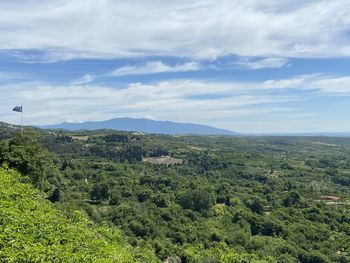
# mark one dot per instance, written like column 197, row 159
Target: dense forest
column 185, row 198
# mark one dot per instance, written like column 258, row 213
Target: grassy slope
column 32, row 230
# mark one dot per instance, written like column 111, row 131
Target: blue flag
column 18, row 108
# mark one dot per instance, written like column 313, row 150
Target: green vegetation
column 225, row 199
column 33, row 231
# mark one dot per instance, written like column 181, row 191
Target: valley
column 199, row 198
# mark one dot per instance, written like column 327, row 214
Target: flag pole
column 20, row 109
column 22, row 119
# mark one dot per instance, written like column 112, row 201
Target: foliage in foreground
column 31, row 230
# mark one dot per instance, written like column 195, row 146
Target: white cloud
column 231, row 105
column 155, row 67
column 164, row 100
column 262, row 63
column 326, row 84
column 150, row 117
column 84, row 80
column 188, row 28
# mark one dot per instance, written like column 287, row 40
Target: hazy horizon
column 274, row 133
column 248, row 67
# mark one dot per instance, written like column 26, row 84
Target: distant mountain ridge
column 143, row 125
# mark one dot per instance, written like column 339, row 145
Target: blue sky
column 247, row 66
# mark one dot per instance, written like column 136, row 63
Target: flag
column 18, row 108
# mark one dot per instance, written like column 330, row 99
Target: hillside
column 143, row 125
column 32, row 230
column 198, row 198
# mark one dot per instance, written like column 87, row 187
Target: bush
column 196, row 200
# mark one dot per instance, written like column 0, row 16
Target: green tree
column 100, row 191
column 293, row 198
column 25, row 154
column 197, row 200
column 256, row 205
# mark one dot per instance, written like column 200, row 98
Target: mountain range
column 143, row 125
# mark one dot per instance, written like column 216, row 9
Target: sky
column 247, row 66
